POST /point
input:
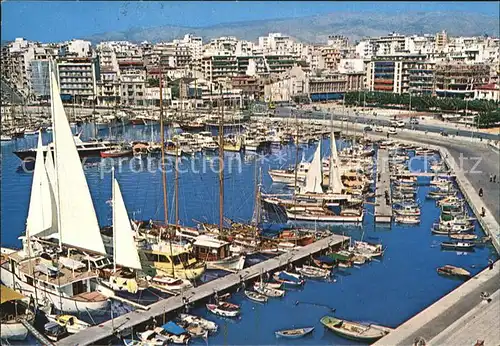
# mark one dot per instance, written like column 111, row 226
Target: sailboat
column 125, row 254
column 313, row 190
column 160, row 259
column 40, row 269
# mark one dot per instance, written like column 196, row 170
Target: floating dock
column 93, row 335
column 383, row 198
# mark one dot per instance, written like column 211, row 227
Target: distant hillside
column 316, row 29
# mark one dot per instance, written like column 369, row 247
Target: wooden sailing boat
column 214, row 252
column 161, row 259
column 55, row 212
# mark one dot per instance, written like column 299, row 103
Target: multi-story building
column 328, row 87
column 331, row 57
column 421, row 77
column 78, row 48
column 78, row 79
column 132, row 82
column 40, row 79
column 108, row 88
column 391, row 73
column 460, row 79
column 250, row 86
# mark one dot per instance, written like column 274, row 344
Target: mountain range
column 316, row 29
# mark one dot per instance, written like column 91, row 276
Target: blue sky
column 57, row 21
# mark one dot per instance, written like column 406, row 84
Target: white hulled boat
column 55, row 212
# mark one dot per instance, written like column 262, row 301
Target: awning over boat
column 173, row 328
column 340, row 256
column 326, row 259
column 287, row 277
column 7, row 294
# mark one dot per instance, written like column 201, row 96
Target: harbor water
column 388, row 291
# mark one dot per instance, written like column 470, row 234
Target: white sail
column 125, row 251
column 51, row 174
column 39, row 221
column 336, row 185
column 78, row 224
column 314, row 177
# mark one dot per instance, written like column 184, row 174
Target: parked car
column 392, row 131
column 367, row 128
column 378, row 129
column 414, row 121
column 444, row 133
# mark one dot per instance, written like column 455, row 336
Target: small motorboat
column 14, row 308
column 460, row 236
column 72, row 324
column 407, row 220
column 267, row 290
column 196, row 320
column 324, row 262
column 354, row 330
column 256, row 297
column 170, row 283
column 224, row 309
column 54, row 331
column 287, row 278
column 166, row 334
column 313, row 272
column 449, row 270
column 457, row 245
column 118, row 152
column 294, row 333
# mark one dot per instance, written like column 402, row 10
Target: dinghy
column 293, row 333
column 256, row 297
column 354, row 330
column 224, row 309
column 268, row 291
column 313, row 272
column 449, row 270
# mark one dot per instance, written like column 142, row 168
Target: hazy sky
column 57, row 21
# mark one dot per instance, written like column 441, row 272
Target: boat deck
column 383, row 207
column 66, row 277
column 94, row 334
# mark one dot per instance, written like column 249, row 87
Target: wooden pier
column 383, row 199
column 127, row 321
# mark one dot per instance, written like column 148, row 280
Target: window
column 151, row 257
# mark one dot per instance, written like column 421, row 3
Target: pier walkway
column 461, row 314
column 96, row 333
column 383, row 200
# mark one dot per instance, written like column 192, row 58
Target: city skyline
column 56, row 21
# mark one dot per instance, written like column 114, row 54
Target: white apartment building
column 79, row 48
column 78, row 79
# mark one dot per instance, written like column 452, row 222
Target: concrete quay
column 460, row 315
column 383, row 205
column 93, row 335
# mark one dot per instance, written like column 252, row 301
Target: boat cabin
column 209, row 249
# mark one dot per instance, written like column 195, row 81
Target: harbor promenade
column 460, row 315
column 383, row 200
column 93, row 335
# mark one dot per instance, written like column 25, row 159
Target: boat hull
column 67, row 304
column 13, row 331
column 235, row 262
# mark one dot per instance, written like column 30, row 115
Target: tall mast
column 56, row 160
column 221, row 164
column 177, row 183
column 162, row 139
column 113, row 199
column 296, row 161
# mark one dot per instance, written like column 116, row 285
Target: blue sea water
column 387, row 291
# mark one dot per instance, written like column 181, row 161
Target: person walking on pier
column 480, row 192
column 495, row 178
column 491, row 178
